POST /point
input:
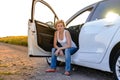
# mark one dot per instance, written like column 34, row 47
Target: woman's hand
column 61, row 53
column 57, row 51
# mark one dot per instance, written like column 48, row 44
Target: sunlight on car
column 111, row 16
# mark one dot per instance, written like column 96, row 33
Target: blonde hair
column 60, row 21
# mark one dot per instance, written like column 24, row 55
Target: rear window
column 104, row 7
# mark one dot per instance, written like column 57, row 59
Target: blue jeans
column 67, row 52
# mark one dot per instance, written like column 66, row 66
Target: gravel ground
column 15, row 64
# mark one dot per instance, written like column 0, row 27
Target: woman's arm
column 55, row 40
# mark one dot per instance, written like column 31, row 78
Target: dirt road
column 15, row 64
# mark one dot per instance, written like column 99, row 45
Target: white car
column 95, row 29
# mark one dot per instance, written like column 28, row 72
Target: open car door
column 41, row 29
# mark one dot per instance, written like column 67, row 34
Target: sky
column 14, row 14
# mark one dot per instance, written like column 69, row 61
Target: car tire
column 48, row 59
column 116, row 66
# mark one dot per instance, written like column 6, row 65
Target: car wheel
column 48, row 59
column 116, row 66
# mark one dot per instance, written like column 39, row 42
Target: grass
column 6, row 73
column 9, row 73
column 17, row 40
column 3, row 66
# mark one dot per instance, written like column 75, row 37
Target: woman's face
column 60, row 27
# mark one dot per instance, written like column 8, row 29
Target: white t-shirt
column 64, row 41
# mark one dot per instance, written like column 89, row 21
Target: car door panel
column 33, row 48
column 44, row 36
column 94, row 39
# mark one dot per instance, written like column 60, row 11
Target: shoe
column 67, row 73
column 50, row 70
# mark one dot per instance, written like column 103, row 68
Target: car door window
column 43, row 13
column 75, row 25
column 44, row 21
column 81, row 18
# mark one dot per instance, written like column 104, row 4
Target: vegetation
column 17, row 40
column 6, row 73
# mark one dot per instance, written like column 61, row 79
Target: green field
column 17, row 40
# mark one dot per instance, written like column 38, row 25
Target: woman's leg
column 68, row 53
column 54, row 59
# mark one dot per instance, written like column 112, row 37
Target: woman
column 62, row 37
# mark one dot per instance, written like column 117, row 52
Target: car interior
column 74, row 32
column 45, row 35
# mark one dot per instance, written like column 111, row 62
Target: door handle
column 33, row 31
column 109, row 24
